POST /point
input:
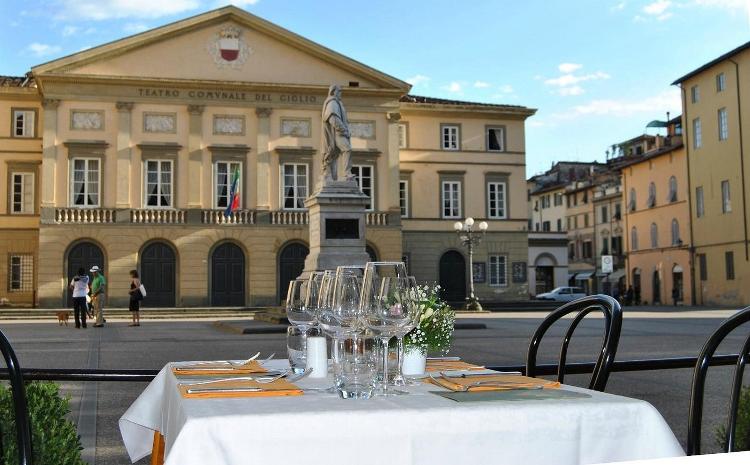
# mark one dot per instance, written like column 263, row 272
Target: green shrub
column 742, row 431
column 54, row 437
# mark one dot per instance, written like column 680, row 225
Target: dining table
column 428, row 426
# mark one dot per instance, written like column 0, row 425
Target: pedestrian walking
column 79, row 285
column 98, row 286
column 135, row 298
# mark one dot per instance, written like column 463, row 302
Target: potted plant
column 434, row 333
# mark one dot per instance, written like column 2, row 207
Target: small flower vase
column 414, row 361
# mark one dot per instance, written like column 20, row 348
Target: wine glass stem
column 385, row 364
column 400, row 356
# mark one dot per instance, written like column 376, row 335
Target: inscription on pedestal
column 342, row 228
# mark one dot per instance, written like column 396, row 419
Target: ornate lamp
column 470, row 238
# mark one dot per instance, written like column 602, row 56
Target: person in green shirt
column 98, row 285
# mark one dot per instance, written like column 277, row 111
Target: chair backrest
column 23, row 426
column 585, row 305
column 699, row 382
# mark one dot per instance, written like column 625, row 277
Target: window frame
column 633, row 238
column 675, row 230
column 672, row 196
column 72, row 183
column 493, row 263
column 700, row 205
column 654, row 235
column 459, row 198
column 697, row 133
column 503, row 215
column 457, row 127
column 371, row 206
column 282, row 186
column 502, row 140
column 729, row 265
column 726, row 197
column 723, row 123
column 721, row 82
column 651, row 203
column 11, row 191
column 695, row 94
column 702, row 267
column 26, row 259
column 34, row 120
column 403, row 201
column 215, row 182
column 159, row 173
column 403, row 125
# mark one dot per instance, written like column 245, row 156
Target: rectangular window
column 618, row 212
column 22, row 193
column 617, row 245
column 450, row 137
column 451, row 199
column 571, row 251
column 21, row 273
column 695, row 94
column 723, row 124
column 721, row 82
column 588, row 249
column 293, row 185
column 366, row 180
column 558, row 199
column 699, row 206
column 403, row 197
column 496, row 200
column 158, row 184
column 569, row 223
column 559, row 224
column 23, row 123
column 496, row 139
column 402, row 136
column 605, row 247
column 224, row 173
column 726, row 199
column 498, row 270
column 586, row 220
column 85, row 187
column 729, row 264
column 605, row 214
column 546, row 226
column 703, row 266
column 697, row 137
column 575, row 222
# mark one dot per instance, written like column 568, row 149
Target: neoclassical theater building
column 121, row 156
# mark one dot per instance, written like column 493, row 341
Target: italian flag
column 234, row 194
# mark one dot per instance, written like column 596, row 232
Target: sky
column 597, row 70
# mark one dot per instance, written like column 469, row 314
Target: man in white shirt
column 80, row 287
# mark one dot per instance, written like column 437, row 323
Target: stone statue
column 336, row 137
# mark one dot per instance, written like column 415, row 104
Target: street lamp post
column 470, row 238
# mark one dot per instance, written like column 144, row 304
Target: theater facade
column 121, row 156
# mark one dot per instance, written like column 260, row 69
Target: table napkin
column 280, row 387
column 500, row 383
column 218, row 369
column 451, row 365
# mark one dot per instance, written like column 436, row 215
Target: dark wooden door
column 83, row 255
column 453, row 276
column 291, row 264
column 544, row 279
column 228, row 276
column 158, row 269
column 656, row 287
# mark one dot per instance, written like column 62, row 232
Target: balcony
column 240, row 217
column 377, row 219
column 85, row 215
column 289, row 217
column 150, row 216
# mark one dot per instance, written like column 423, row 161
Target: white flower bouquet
column 434, row 333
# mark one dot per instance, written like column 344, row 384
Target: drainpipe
column 742, row 156
column 686, row 144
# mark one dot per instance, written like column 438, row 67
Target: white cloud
column 657, row 104
column 570, row 79
column 69, row 31
column 506, row 89
column 620, row 6
column 568, row 68
column 657, row 8
column 108, row 9
column 454, row 87
column 134, row 28
column 43, row 49
column 418, row 79
column 731, row 5
column 481, row 84
column 570, row 91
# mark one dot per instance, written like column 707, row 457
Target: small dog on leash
column 62, row 317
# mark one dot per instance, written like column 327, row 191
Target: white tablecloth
column 420, row 428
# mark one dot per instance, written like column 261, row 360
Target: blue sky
column 597, row 70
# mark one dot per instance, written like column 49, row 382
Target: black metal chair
column 699, row 382
column 23, row 426
column 612, row 325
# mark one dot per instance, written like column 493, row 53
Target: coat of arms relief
column 228, row 48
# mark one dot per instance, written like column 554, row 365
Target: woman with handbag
column 135, row 298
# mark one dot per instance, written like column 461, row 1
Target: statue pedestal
column 337, row 227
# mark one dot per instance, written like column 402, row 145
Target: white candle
column 317, row 356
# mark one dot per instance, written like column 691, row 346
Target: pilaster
column 263, row 182
column 124, row 155
column 195, row 155
column 49, row 152
column 394, row 175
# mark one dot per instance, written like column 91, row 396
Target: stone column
column 49, row 152
column 391, row 200
column 124, row 130
column 195, row 156
column 264, row 158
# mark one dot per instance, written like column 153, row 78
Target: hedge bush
column 742, row 431
column 55, row 440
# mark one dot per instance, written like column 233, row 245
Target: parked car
column 562, row 294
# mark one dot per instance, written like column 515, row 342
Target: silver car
column 562, row 294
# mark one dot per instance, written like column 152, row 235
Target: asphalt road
column 96, row 407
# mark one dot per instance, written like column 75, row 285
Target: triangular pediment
column 227, row 45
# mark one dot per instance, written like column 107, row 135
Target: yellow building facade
column 716, row 138
column 135, row 144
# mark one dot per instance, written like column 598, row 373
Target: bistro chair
column 699, row 382
column 23, row 427
column 585, row 305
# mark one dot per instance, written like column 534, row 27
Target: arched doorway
column 371, row 253
column 228, row 276
column 636, row 286
column 544, row 273
column 158, row 271
column 453, row 276
column 656, row 288
column 291, row 264
column 677, row 284
column 82, row 255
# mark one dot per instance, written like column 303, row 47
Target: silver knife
column 471, row 375
column 225, row 390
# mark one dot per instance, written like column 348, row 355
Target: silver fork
column 230, row 362
column 260, row 378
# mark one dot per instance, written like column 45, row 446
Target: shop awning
column 584, row 275
column 614, row 276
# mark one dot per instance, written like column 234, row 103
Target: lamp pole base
column 472, row 304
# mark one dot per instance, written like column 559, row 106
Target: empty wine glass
column 312, row 294
column 295, row 304
column 409, row 300
column 385, row 306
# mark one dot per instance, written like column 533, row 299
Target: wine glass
column 385, row 306
column 409, row 300
column 300, row 319
column 312, row 294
